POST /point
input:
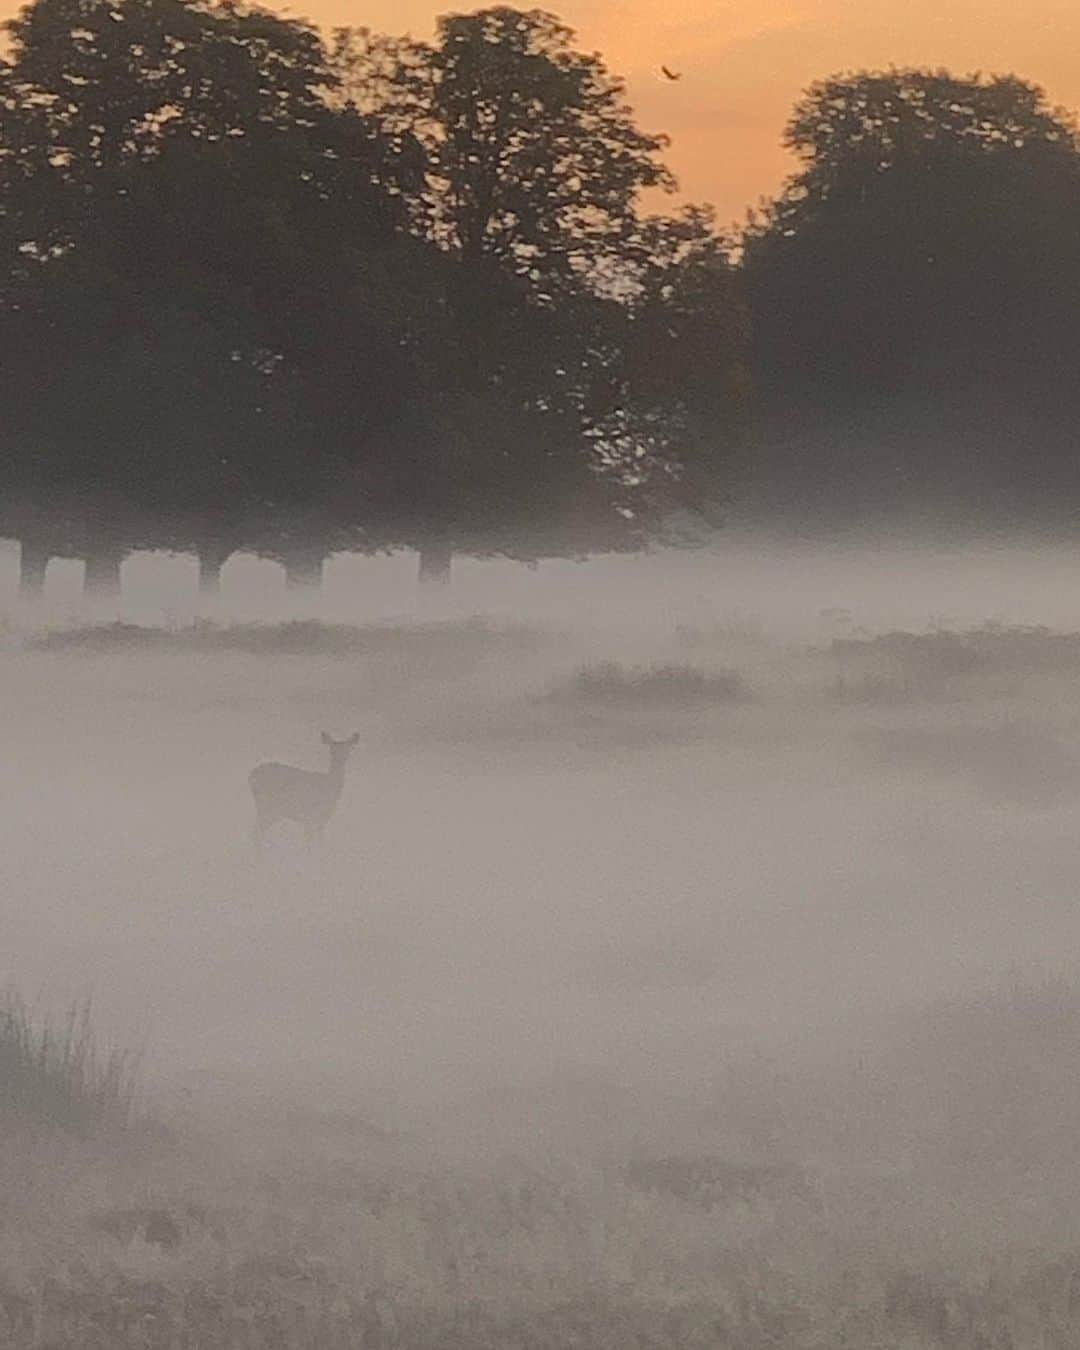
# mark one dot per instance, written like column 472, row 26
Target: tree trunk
column 33, row 560
column 304, row 571
column 211, row 560
column 435, row 560
column 102, row 579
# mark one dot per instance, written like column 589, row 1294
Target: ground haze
column 731, row 895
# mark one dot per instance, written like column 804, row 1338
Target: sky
column 744, row 62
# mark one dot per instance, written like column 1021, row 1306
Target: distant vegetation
column 610, row 682
column 300, row 637
column 910, row 665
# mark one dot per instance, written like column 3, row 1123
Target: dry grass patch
column 667, row 685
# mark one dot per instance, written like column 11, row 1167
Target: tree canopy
column 539, row 412
column 930, row 214
column 917, row 284
column 185, row 219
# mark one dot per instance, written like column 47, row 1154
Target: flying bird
column 671, row 74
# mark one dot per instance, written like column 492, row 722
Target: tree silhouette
column 531, row 429
column 184, row 243
column 919, row 278
column 530, row 153
column 261, row 292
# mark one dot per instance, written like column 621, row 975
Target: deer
column 304, row 796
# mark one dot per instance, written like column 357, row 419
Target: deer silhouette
column 305, row 797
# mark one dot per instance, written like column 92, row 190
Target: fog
column 513, row 886
column 827, row 916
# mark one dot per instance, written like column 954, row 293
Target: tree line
column 271, row 289
column 267, row 289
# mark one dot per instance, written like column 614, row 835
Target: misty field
column 705, row 982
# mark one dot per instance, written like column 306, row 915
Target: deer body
column 305, row 797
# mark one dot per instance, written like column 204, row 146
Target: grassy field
column 717, row 991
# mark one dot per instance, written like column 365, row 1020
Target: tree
column 186, row 223
column 530, row 154
column 923, row 268
column 674, row 414
column 532, row 173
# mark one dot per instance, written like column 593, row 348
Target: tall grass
column 56, row 1073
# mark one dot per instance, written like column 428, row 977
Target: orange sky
column 745, row 61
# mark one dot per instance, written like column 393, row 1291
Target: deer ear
column 327, row 740
column 354, row 739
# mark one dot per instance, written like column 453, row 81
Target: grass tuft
column 56, row 1074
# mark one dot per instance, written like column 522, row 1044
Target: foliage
column 915, row 290
column 552, row 322
column 180, row 248
column 531, row 155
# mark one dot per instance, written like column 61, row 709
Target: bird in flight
column 671, row 75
